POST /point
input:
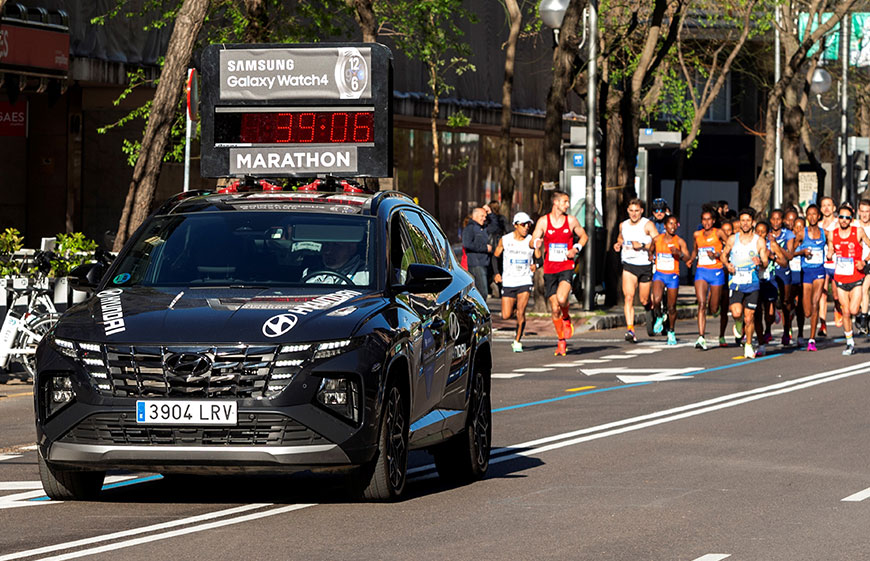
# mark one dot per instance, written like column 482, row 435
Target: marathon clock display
column 297, row 110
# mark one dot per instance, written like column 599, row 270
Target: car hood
column 178, row 316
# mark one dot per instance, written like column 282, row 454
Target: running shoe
column 561, row 348
column 737, row 331
column 659, row 325
column 517, row 347
column 567, row 328
column 766, row 338
column 850, row 350
column 748, row 352
column 672, row 338
column 786, row 340
column 723, row 342
column 823, row 329
column 760, row 350
column 801, row 341
column 811, row 345
column 701, row 343
column 630, row 336
column 838, row 318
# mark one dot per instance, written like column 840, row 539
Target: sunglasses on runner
column 844, row 217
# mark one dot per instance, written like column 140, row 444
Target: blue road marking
column 124, row 483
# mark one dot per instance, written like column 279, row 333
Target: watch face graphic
column 351, row 73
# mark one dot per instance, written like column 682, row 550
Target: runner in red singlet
column 844, row 245
column 554, row 235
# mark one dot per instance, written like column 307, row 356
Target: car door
column 431, row 377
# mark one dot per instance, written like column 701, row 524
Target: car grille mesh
column 252, row 429
column 229, row 372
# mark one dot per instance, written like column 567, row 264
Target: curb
column 611, row 321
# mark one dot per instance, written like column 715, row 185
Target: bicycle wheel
column 29, row 336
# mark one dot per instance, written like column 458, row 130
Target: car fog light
column 58, row 394
column 341, row 396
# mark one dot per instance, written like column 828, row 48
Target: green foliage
column 71, row 251
column 458, row 119
column 10, row 242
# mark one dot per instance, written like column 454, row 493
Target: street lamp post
column 552, row 13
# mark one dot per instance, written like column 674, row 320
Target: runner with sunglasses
column 516, row 278
column 845, row 245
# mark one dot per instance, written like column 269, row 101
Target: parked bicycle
column 30, row 315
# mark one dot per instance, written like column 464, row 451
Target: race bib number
column 704, row 257
column 845, row 266
column 816, row 257
column 795, row 264
column 665, row 262
column 519, row 265
column 742, row 277
column 558, row 252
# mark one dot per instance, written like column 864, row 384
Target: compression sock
column 557, row 323
column 630, row 327
column 565, row 314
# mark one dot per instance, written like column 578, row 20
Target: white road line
column 506, row 376
column 617, row 357
column 20, row 485
column 590, row 361
column 643, row 351
column 9, row 456
column 725, row 402
column 532, row 369
column 30, row 448
column 132, row 531
column 561, row 365
column 857, row 497
column 176, row 533
column 713, row 557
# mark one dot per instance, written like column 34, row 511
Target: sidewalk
column 599, row 319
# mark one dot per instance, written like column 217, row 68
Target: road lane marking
column 590, row 361
column 561, row 365
column 644, row 351
column 713, row 557
column 133, row 531
column 631, row 370
column 532, row 369
column 176, row 533
column 580, row 389
column 857, row 497
column 617, row 357
column 506, row 376
column 20, row 485
column 9, row 456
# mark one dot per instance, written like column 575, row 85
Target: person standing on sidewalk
column 554, row 235
column 474, row 242
column 495, row 228
column 515, row 271
column 667, row 249
column 845, row 244
column 709, row 274
column 744, row 252
column 633, row 242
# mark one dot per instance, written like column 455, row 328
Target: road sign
column 303, row 110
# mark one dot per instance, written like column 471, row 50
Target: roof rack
column 371, row 206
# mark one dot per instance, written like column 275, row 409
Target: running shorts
column 514, row 291
column 642, row 272
column 808, row 275
column 671, row 280
column 747, row 299
column 713, row 277
column 552, row 280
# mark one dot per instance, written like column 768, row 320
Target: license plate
column 166, row 412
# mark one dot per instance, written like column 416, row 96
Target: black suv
column 270, row 332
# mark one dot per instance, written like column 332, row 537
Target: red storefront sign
column 13, row 119
column 34, row 49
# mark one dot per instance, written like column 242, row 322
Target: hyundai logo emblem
column 278, row 325
column 188, row 364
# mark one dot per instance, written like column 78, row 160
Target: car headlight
column 341, row 396
column 331, row 348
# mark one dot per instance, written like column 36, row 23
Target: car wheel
column 69, row 485
column 389, row 469
column 465, row 457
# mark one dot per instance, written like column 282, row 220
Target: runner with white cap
column 516, row 278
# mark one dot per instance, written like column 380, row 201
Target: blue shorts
column 671, row 280
column 784, row 276
column 810, row 274
column 829, row 271
column 713, row 277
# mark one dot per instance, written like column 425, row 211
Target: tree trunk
column 140, row 194
column 792, row 122
column 364, row 13
column 506, row 179
column 436, row 145
column 563, row 76
column 258, row 21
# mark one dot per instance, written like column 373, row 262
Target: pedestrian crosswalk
column 592, row 362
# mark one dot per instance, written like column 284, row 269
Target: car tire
column 465, row 457
column 67, row 484
column 388, row 471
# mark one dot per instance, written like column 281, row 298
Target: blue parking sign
column 579, row 160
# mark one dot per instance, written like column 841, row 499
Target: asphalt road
column 615, row 452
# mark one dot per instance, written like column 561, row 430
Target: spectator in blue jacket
column 477, row 249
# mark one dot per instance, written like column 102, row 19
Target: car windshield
column 240, row 248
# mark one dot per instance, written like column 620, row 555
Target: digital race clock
column 297, row 110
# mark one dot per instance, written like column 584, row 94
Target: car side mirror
column 86, row 277
column 425, row 279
